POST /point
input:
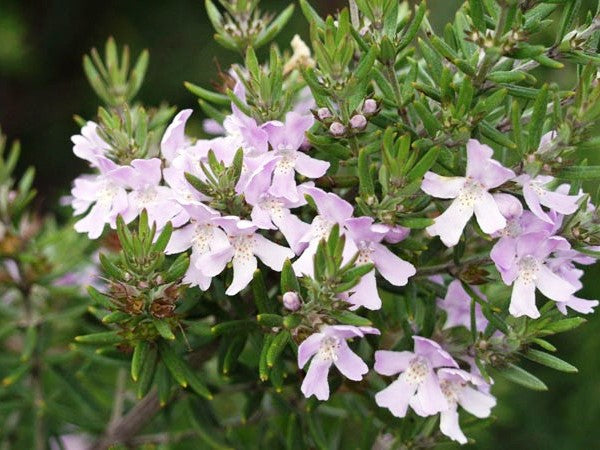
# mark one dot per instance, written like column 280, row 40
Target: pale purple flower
column 211, row 126
column 89, row 145
column 148, row 193
column 329, row 347
column 291, row 301
column 331, row 210
column 105, row 193
column 524, row 266
column 273, row 213
column 244, row 130
column 418, row 385
column 367, row 238
column 457, row 305
column 470, row 195
column 245, row 244
column 537, row 194
column 203, row 236
column 286, row 140
column 174, row 138
column 462, row 388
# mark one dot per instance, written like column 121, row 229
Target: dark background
column 42, row 86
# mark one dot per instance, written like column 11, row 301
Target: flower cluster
column 326, row 220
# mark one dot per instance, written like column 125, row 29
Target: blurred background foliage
column 42, row 86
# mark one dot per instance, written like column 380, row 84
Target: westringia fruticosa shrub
column 376, row 225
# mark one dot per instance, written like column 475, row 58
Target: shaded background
column 42, row 86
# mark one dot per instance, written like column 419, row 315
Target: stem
column 451, row 266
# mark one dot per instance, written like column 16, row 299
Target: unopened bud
column 291, row 301
column 337, row 129
column 358, row 122
column 370, row 106
column 324, row 113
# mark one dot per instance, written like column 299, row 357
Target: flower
column 89, row 145
column 457, row 305
column 462, row 388
column 286, row 140
column 174, row 138
column 148, row 193
column 245, row 244
column 105, row 193
column 331, row 210
column 524, row 266
column 418, row 385
column 272, row 213
column 367, row 238
column 470, row 193
column 329, row 347
column 537, row 195
column 203, row 236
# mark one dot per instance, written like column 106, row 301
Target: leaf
column 270, row 320
column 520, row 376
column 564, row 325
column 289, row 281
column 147, row 372
column 349, row 318
column 207, row 95
column 276, row 348
column 550, row 361
column 579, row 173
column 103, row 338
column 173, row 363
column 424, row 164
column 233, row 326
column 140, row 353
column 164, row 329
column 538, row 116
column 366, row 186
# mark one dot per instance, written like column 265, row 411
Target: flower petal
column 553, row 286
column 522, row 300
column 391, row 267
column 310, row 167
column 450, row 427
column 488, row 214
column 429, row 399
column 270, row 253
column 315, row 382
column 309, row 347
column 451, row 223
column 442, row 187
column 390, row 363
column 349, row 363
column 475, row 402
column 396, row 397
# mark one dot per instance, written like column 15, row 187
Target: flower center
column 470, row 193
column 243, row 247
column 537, row 188
column 417, row 371
column 273, row 206
column 146, row 196
column 202, row 237
column 329, row 349
column 288, row 160
column 529, row 266
column 450, row 389
column 321, row 227
column 365, row 249
column 512, row 228
column 107, row 193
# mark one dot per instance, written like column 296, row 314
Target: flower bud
column 324, row 113
column 337, row 129
column 370, row 106
column 358, row 122
column 291, row 301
